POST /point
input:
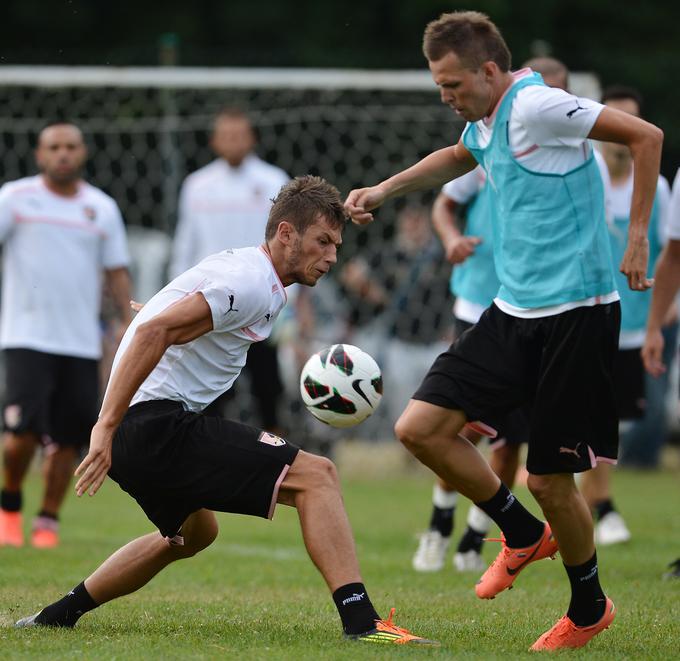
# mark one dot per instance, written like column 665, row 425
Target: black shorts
column 174, row 462
column 629, row 381
column 561, row 367
column 50, row 395
column 514, row 428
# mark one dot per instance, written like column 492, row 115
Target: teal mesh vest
column 549, row 232
column 634, row 304
column 475, row 279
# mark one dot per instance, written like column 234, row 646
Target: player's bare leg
column 504, row 461
column 430, row 433
column 312, row 486
column 58, row 468
column 595, row 485
column 127, row 570
column 18, row 451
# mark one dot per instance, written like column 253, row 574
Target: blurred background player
column 631, row 395
column 225, row 205
column 666, row 286
column 468, row 246
column 59, row 235
column 398, row 297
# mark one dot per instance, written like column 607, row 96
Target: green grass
column 254, row 594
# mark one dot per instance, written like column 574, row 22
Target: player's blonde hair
column 302, row 201
column 468, row 34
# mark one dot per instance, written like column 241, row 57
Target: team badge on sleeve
column 270, row 439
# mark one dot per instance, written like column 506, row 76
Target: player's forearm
column 141, row 356
column 445, row 220
column 646, row 152
column 431, row 172
column 121, row 292
column 666, row 285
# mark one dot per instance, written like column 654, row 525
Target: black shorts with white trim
column 175, row 462
column 561, row 367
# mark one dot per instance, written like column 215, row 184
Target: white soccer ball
column 341, row 385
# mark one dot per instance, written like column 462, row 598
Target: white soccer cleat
column 431, row 552
column 611, row 529
column 469, row 561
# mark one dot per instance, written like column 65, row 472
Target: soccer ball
column 341, row 385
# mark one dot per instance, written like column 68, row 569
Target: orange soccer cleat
column 510, row 562
column 387, row 632
column 45, row 533
column 566, row 635
column 11, row 533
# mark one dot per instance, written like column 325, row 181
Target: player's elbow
column 152, row 334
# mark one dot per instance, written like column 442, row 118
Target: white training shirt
column 673, row 215
column 55, row 249
column 245, row 295
column 222, row 207
column 548, row 133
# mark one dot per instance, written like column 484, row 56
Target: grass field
column 254, row 594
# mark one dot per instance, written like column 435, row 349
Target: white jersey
column 222, row 207
column 462, row 189
column 245, row 296
column 673, row 214
column 55, row 249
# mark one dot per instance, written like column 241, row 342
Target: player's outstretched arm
column 644, row 141
column 433, row 171
column 667, row 283
column 180, row 323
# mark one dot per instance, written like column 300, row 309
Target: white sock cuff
column 445, row 500
column 478, row 520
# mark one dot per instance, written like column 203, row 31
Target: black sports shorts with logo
column 514, row 429
column 560, row 366
column 51, row 395
column 174, row 462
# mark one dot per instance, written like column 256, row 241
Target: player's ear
column 285, row 232
column 489, row 69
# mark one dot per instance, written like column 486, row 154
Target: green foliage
column 255, row 595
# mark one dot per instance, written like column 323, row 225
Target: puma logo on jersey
column 574, row 451
column 231, row 304
column 571, row 113
column 267, row 316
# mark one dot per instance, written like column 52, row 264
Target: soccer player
column 187, row 346
column 666, row 286
column 225, row 205
column 60, row 234
column 550, row 336
column 474, row 283
column 629, row 372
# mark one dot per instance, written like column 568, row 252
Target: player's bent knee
column 199, row 531
column 548, row 490
column 409, row 435
column 311, row 472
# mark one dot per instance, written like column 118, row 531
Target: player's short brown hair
column 302, row 201
column 468, row 34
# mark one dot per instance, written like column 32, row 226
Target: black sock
column 603, row 508
column 520, row 527
column 355, row 608
column 442, row 520
column 48, row 515
column 10, row 501
column 66, row 611
column 587, row 599
column 471, row 540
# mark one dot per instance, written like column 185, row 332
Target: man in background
column 60, row 234
column 225, row 204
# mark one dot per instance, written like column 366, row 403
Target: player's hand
column 93, row 469
column 460, row 248
column 652, row 352
column 361, row 201
column 634, row 264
